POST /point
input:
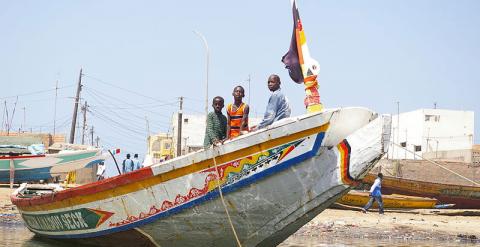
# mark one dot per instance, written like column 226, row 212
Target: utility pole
column 84, row 128
column 148, row 134
column 24, row 117
column 97, row 140
column 6, row 122
column 249, row 92
column 55, row 108
column 75, row 108
column 91, row 135
column 398, row 122
column 148, row 126
column 13, row 114
column 179, row 128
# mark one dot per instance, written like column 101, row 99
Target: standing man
column 278, row 106
column 136, row 162
column 375, row 195
column 237, row 114
column 127, row 165
column 216, row 130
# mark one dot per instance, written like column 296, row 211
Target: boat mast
column 75, row 108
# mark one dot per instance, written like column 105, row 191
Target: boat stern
column 366, row 146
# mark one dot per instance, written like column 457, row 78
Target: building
column 160, row 147
column 434, row 134
column 193, row 131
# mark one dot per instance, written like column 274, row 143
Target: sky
column 139, row 57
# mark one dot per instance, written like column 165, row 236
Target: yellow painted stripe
column 163, row 177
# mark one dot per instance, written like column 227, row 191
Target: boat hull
column 360, row 199
column 43, row 167
column 273, row 181
column 464, row 197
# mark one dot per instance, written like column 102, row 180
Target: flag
column 115, row 151
column 297, row 60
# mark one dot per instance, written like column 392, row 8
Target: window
column 434, row 118
column 418, row 148
column 166, row 145
column 185, row 120
column 403, row 144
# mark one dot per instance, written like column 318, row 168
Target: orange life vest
column 236, row 119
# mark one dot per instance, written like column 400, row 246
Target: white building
column 432, row 133
column 193, row 131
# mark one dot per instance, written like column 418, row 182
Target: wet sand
column 348, row 224
column 415, row 225
column 8, row 211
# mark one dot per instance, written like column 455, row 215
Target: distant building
column 28, row 138
column 434, row 134
column 193, row 131
column 160, row 147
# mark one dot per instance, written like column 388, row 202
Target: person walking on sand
column 375, row 195
column 237, row 114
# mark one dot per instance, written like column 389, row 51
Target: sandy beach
column 424, row 224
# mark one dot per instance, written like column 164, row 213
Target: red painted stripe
column 21, row 157
column 86, row 189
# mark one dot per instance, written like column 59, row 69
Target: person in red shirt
column 237, row 114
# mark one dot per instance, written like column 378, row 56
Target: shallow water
column 16, row 234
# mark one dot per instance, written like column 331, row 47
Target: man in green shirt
column 216, row 130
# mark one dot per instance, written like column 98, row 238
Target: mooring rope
column 435, row 163
column 221, row 195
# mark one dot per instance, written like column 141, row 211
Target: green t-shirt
column 216, row 128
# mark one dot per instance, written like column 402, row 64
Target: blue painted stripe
column 209, row 196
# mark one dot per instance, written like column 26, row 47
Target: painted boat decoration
column 360, row 199
column 273, row 181
column 464, row 197
column 45, row 166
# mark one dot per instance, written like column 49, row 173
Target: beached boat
column 461, row 195
column 271, row 182
column 360, row 199
column 19, row 167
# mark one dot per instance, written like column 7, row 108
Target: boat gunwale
column 143, row 174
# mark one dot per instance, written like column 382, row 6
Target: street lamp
column 206, row 81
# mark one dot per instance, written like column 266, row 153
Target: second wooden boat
column 360, row 199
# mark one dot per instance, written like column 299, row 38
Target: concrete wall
column 193, row 131
column 431, row 130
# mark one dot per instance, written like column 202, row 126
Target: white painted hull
column 274, row 181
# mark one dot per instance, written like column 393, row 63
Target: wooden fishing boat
column 271, row 182
column 465, row 197
column 25, row 168
column 360, row 199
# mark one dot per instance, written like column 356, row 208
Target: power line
column 128, row 90
column 37, row 92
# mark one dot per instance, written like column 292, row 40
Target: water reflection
column 16, row 234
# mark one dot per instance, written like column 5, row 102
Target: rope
column 221, row 196
column 435, row 163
